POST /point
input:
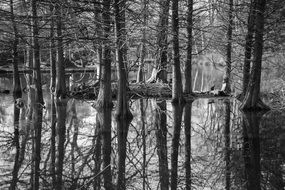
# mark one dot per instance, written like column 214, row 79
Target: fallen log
column 142, row 90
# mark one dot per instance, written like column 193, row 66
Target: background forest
column 190, row 46
column 73, row 34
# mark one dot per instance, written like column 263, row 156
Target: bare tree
column 188, row 65
column 177, row 91
column 252, row 99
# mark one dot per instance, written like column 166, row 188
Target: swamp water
column 229, row 149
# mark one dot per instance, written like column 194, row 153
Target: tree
column 123, row 114
column 229, row 49
column 60, row 91
column 187, row 131
column 177, row 91
column 162, row 39
column 248, row 46
column 177, row 119
column 104, row 96
column 252, row 99
column 161, row 141
column 188, row 65
column 17, row 90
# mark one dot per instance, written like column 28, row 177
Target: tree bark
column 162, row 38
column 188, row 65
column 104, row 96
column 16, row 142
column 17, row 91
column 177, row 119
column 60, row 106
column 187, row 130
column 177, row 91
column 227, row 144
column 248, row 46
column 251, row 148
column 161, row 139
column 104, row 116
column 227, row 79
column 53, row 141
column 52, row 51
column 252, row 99
column 60, row 91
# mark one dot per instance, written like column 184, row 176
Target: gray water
column 229, row 149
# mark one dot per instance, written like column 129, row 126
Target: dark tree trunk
column 123, row 114
column 98, row 43
column 248, row 46
column 227, row 79
column 144, row 136
column 140, row 75
column 227, row 144
column 177, row 91
column 187, row 124
column 97, row 154
column 161, row 139
column 251, row 148
column 60, row 130
column 38, row 107
column 104, row 116
column 53, row 141
column 36, row 55
column 188, row 65
column 60, row 90
column 122, row 128
column 177, row 118
column 37, row 129
column 104, row 96
column 252, row 99
column 16, row 142
column 17, row 91
column 52, row 51
column 162, row 39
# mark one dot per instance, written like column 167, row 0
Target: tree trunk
column 17, row 91
column 104, row 96
column 140, row 75
column 38, row 107
column 162, row 38
column 104, row 116
column 227, row 79
column 252, row 99
column 177, row 91
column 251, row 148
column 123, row 114
column 187, row 125
column 52, row 52
column 248, row 46
column 161, row 139
column 227, row 144
column 60, row 130
column 16, row 140
column 60, row 91
column 177, row 118
column 97, row 155
column 144, row 146
column 98, row 43
column 53, row 141
column 122, row 111
column 188, row 65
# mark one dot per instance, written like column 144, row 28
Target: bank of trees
column 152, row 39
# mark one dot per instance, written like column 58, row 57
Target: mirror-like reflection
column 205, row 144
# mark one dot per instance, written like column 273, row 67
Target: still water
column 228, row 149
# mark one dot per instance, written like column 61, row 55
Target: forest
column 113, row 52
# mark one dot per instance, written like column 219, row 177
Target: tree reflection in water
column 213, row 147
